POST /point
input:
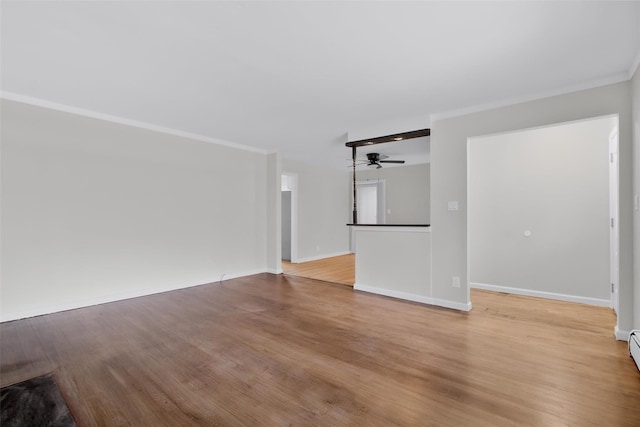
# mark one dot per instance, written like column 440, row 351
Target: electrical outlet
column 318, row 248
column 455, row 281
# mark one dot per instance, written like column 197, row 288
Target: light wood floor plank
column 339, row 269
column 281, row 350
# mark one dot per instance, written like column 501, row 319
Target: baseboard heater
column 634, row 346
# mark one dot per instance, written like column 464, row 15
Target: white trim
column 88, row 302
column 634, row 66
column 121, row 120
column 391, row 293
column 542, row 294
column 469, row 208
column 452, row 304
column 318, row 257
column 617, row 78
column 413, row 297
column 391, row 228
column 274, row 270
column 471, row 139
column 614, row 213
column 621, row 335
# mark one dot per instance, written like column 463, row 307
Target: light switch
column 452, row 205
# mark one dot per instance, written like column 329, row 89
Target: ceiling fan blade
column 391, row 161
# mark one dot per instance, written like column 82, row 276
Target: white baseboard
column 274, row 270
column 621, row 335
column 88, row 302
column 231, row 276
column 452, row 304
column 413, row 297
column 317, row 257
column 541, row 294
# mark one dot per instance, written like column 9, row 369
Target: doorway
column 336, row 269
column 289, row 216
column 371, row 205
column 542, row 212
column 371, row 202
column 286, row 225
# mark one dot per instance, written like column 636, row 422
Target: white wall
column 636, row 192
column 554, row 183
column 323, row 210
column 273, row 180
column 382, row 268
column 449, row 178
column 94, row 211
column 406, row 192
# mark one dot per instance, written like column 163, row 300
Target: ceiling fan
column 376, row 158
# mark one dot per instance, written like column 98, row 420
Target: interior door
column 367, row 203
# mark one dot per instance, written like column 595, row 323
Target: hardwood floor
column 274, row 350
column 339, row 269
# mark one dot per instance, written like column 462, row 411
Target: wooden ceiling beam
column 390, row 138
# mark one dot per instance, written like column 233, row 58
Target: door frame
column 382, row 210
column 614, row 200
column 614, row 206
column 292, row 177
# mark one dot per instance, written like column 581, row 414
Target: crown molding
column 634, row 66
column 617, row 78
column 121, row 120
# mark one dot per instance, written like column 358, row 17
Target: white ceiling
column 297, row 77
